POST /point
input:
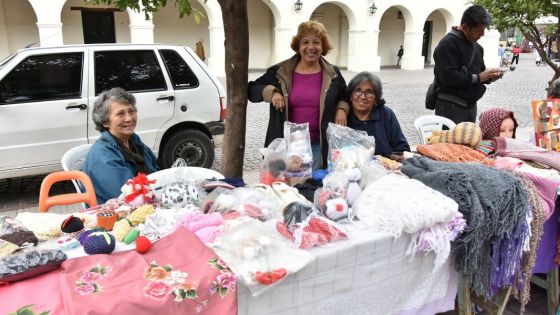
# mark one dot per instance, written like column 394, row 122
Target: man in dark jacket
column 459, row 67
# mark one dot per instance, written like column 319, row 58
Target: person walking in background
column 501, row 52
column 304, row 89
column 400, row 53
column 459, row 67
column 516, row 51
column 200, row 50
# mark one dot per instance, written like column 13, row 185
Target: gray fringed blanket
column 495, row 205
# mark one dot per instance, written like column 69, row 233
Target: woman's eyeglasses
column 366, row 93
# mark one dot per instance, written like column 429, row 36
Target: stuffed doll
column 465, row 133
column 137, row 190
column 336, row 209
column 299, row 156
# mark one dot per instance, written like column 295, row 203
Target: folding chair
column 46, row 201
column 73, row 160
column 424, row 126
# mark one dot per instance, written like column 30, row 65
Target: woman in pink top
column 303, row 89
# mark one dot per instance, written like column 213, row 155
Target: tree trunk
column 236, row 31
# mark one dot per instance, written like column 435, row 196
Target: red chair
column 46, row 201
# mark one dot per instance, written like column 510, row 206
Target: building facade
column 363, row 39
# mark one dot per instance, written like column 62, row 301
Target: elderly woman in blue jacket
column 119, row 154
column 369, row 113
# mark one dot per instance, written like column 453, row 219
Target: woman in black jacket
column 304, row 88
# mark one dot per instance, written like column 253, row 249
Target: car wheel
column 193, row 146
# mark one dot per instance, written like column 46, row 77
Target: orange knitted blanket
column 453, row 153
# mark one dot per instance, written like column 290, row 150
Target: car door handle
column 166, row 98
column 80, row 106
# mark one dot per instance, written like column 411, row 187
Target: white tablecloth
column 365, row 274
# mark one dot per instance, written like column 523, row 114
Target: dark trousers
column 516, row 59
column 455, row 112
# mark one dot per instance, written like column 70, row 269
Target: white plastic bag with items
column 299, row 155
column 348, row 148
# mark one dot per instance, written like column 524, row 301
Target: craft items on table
column 66, row 243
column 452, row 153
column 488, row 252
column 86, row 233
column 313, row 231
column 121, row 229
column 27, row 264
column 206, row 226
column 299, row 155
column 8, row 225
column 432, row 218
column 331, row 199
column 143, row 244
column 465, row 133
column 258, row 256
column 106, row 219
column 99, row 243
column 178, row 195
column 121, row 208
column 525, row 151
column 137, row 191
column 296, row 212
column 349, row 148
column 163, row 222
column 72, row 226
column 273, row 168
column 252, row 202
column 131, row 236
column 6, row 248
column 47, row 225
column 12, row 231
column 140, row 214
column 287, row 194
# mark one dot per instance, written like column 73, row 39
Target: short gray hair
column 362, row 77
column 555, row 88
column 100, row 113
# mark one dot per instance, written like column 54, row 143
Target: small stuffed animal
column 353, row 191
column 137, row 190
column 465, row 133
column 336, row 209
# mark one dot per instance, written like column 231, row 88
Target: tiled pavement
column 404, row 92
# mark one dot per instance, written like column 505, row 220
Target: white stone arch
column 262, row 18
column 170, row 29
column 18, row 26
column 338, row 19
column 394, row 23
column 441, row 20
column 72, row 27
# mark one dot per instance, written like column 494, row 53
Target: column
column 370, row 60
column 412, row 58
column 141, row 30
column 217, row 57
column 282, row 40
column 48, row 21
column 4, row 45
column 357, row 53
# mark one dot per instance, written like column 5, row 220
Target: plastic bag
column 252, row 202
column 179, row 189
column 9, row 225
column 299, row 155
column 348, row 148
column 259, row 257
column 331, row 199
column 273, row 168
column 313, row 231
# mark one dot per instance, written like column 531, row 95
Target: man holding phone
column 459, row 67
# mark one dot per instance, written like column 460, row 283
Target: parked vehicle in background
column 46, row 95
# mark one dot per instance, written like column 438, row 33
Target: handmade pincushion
column 99, row 243
column 143, row 244
column 139, row 215
column 121, row 228
column 72, row 226
column 179, row 195
column 66, row 243
column 106, row 219
column 86, row 233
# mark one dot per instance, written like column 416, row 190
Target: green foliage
column 151, row 6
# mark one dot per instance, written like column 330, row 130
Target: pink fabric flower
column 227, row 279
column 90, row 277
column 85, row 289
column 157, row 290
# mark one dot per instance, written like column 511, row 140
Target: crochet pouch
column 27, row 264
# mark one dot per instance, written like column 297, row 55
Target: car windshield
column 5, row 60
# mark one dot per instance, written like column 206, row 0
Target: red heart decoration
column 269, row 277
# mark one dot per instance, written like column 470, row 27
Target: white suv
column 46, row 95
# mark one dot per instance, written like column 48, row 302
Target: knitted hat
column 491, row 120
column 99, row 243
